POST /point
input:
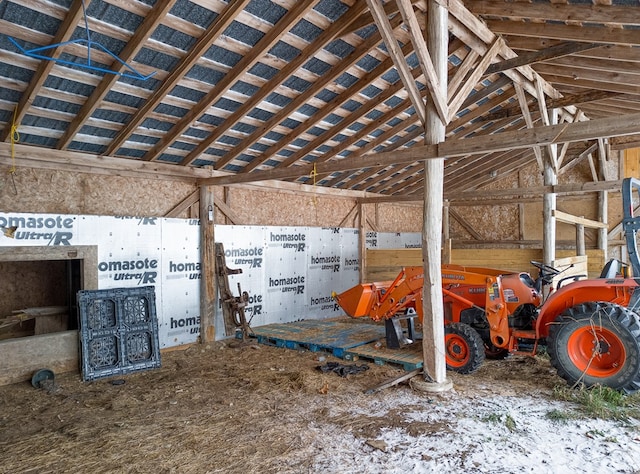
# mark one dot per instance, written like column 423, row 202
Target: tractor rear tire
column 464, row 349
column 597, row 343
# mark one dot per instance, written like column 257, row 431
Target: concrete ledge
column 21, row 357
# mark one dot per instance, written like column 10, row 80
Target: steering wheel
column 546, row 270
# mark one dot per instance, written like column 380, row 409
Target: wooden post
column 521, row 213
column 603, row 216
column 208, row 266
column 433, row 322
column 548, row 206
column 580, row 245
column 446, row 235
column 362, row 241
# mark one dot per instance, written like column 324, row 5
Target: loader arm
column 404, row 292
column 384, row 300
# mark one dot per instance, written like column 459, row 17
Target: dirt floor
column 216, row 408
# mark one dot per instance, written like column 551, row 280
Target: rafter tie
column 312, row 175
column 15, row 137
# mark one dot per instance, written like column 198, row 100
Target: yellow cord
column 15, row 138
column 313, row 175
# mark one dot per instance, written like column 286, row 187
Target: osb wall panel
column 51, row 191
column 632, row 163
column 389, row 217
column 490, row 222
column 45, row 282
column 257, row 207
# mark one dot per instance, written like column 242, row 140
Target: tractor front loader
column 590, row 327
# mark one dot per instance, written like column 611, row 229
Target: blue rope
column 36, row 53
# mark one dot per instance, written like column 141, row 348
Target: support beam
column 581, row 249
column 382, row 22
column 183, row 205
column 548, row 209
column 465, row 225
column 524, row 107
column 603, row 216
column 208, row 266
column 424, row 59
column 556, row 51
column 433, row 309
column 570, row 219
column 474, row 78
column 228, row 212
column 504, row 141
column 362, row 241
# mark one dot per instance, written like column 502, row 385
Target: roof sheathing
column 352, row 103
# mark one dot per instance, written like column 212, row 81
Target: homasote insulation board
column 289, row 272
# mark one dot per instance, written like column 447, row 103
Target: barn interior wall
column 502, row 222
column 54, row 191
column 62, row 192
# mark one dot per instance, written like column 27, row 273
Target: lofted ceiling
column 274, row 89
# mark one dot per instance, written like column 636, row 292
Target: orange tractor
column 590, row 327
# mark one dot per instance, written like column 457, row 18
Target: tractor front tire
column 597, row 343
column 464, row 349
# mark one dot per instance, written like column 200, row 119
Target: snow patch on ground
column 495, row 434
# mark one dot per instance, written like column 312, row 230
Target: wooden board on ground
column 410, row 357
column 316, row 335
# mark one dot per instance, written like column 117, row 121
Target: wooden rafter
column 399, row 60
column 526, row 114
column 328, row 35
column 546, row 135
column 424, row 59
column 555, row 11
column 64, row 33
column 262, row 47
column 195, row 53
column 338, row 56
column 527, row 58
column 571, row 99
column 565, row 32
column 133, row 46
column 320, row 115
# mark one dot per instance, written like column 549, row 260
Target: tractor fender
column 611, row 290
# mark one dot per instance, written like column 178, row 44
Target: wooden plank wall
column 385, row 265
column 631, row 163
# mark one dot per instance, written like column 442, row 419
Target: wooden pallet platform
column 344, row 339
column 319, row 335
column 410, row 357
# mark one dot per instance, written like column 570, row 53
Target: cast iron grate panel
column 118, row 331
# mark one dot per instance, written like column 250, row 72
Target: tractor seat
column 612, row 269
